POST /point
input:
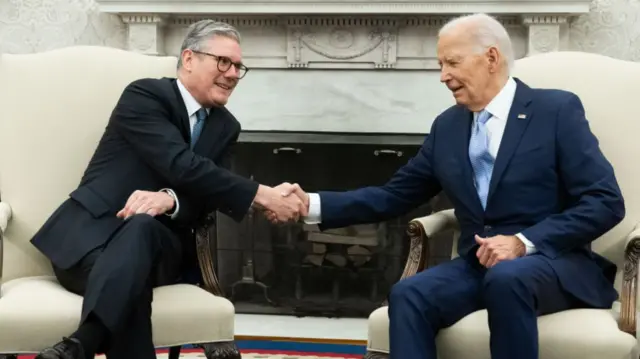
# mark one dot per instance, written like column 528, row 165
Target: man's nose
column 444, row 75
column 233, row 72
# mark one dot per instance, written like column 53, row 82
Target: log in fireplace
column 295, row 269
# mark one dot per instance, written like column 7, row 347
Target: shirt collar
column 190, row 102
column 500, row 106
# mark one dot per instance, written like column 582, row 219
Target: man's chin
column 220, row 100
column 460, row 100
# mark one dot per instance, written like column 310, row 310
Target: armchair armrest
column 420, row 230
column 629, row 296
column 5, row 216
column 205, row 260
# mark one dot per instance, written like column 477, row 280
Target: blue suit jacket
column 550, row 181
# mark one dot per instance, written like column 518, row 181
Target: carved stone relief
column 326, row 41
column 146, row 33
column 544, row 33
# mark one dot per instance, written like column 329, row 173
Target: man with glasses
column 159, row 168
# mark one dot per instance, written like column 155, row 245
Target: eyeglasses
column 225, row 63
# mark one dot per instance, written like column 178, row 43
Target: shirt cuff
column 529, row 246
column 315, row 215
column 171, row 193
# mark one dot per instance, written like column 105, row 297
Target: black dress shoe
column 68, row 348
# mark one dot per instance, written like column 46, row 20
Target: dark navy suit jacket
column 550, row 182
column 145, row 146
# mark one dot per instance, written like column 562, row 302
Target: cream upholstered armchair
column 54, row 107
column 607, row 88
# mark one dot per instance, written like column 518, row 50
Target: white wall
column 37, row 25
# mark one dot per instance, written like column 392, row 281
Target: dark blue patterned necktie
column 201, row 115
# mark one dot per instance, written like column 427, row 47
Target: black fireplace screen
column 295, row 268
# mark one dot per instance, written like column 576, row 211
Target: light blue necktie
column 201, row 115
column 481, row 159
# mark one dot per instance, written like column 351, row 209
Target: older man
column 531, row 190
column 159, row 168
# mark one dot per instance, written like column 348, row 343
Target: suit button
column 487, row 228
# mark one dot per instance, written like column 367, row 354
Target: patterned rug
column 273, row 349
column 261, row 354
column 250, row 354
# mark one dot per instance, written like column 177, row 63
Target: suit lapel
column 183, row 120
column 519, row 118
column 213, row 129
column 461, row 148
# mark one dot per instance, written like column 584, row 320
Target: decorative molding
column 342, row 42
column 146, row 32
column 343, row 7
column 355, row 34
column 544, row 32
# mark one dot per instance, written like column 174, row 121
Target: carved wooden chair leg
column 375, row 355
column 221, row 350
column 174, row 352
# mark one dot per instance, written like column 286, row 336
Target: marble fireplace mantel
column 340, row 34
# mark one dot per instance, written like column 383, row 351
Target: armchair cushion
column 578, row 333
column 37, row 311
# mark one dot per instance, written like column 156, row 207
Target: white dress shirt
column 192, row 106
column 499, row 108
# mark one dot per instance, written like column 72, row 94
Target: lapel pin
column 522, row 116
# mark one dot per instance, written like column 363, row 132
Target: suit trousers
column 514, row 293
column 117, row 281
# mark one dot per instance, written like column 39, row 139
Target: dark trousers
column 514, row 293
column 117, row 282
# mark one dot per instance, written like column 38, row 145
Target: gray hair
column 487, row 32
column 200, row 32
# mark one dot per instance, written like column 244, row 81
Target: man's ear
column 187, row 59
column 493, row 57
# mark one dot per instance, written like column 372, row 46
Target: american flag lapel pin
column 522, row 116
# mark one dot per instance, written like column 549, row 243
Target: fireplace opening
column 296, row 269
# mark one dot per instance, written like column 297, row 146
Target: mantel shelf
column 345, row 7
column 342, row 34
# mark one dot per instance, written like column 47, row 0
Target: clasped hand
column 146, row 202
column 279, row 205
column 494, row 250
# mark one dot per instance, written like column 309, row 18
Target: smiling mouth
column 224, row 87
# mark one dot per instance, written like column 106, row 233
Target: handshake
column 283, row 203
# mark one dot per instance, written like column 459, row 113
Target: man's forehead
column 224, row 46
column 454, row 45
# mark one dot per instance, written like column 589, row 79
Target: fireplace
column 340, row 94
column 296, row 269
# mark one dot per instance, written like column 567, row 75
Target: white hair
column 486, row 32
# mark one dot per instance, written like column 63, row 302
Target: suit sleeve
column 225, row 162
column 412, row 185
column 142, row 119
column 190, row 210
column 595, row 203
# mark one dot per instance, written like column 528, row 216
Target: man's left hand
column 494, row 250
column 151, row 203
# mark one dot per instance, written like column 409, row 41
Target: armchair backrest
column 608, row 90
column 54, row 107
